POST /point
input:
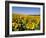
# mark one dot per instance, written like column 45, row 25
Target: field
column 21, row 22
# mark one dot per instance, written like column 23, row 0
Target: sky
column 26, row 10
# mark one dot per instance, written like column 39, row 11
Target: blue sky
column 26, row 10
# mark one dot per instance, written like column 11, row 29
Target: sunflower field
column 22, row 22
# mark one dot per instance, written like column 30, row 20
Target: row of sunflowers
column 25, row 22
